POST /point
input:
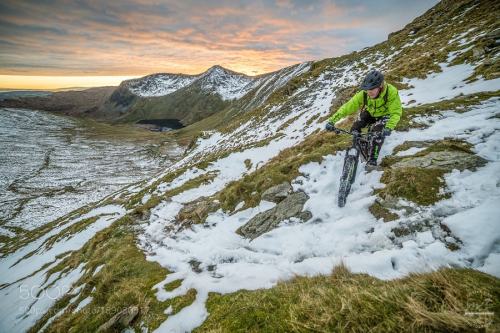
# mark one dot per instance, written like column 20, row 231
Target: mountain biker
column 379, row 105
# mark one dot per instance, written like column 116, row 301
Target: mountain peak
column 218, row 69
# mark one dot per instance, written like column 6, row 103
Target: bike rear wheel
column 348, row 174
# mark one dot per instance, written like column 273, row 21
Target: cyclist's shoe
column 372, row 165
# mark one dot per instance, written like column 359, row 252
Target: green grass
column 419, row 185
column 380, row 212
column 347, row 302
column 125, row 280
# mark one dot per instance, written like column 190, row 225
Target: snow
column 28, row 292
column 492, row 264
column 83, row 304
column 159, row 84
column 20, row 263
column 98, row 269
column 228, row 85
column 24, row 302
column 445, row 85
column 410, row 151
column 350, row 235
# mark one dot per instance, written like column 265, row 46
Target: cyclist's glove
column 386, row 132
column 330, row 127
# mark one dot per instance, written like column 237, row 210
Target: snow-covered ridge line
column 227, row 84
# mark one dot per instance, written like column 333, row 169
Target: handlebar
column 353, row 134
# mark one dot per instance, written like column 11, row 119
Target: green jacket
column 376, row 107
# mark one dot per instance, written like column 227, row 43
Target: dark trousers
column 377, row 125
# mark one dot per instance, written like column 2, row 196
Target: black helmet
column 374, row 79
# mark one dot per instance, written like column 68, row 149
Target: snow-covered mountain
column 433, row 205
column 191, row 98
column 159, row 84
column 217, row 80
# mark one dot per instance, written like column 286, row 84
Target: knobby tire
column 348, row 174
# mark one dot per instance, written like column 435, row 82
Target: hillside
column 163, row 96
column 243, row 232
column 85, row 102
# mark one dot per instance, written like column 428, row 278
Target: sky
column 60, row 43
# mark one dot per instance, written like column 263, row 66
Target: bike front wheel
column 348, row 174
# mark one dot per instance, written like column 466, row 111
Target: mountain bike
column 361, row 145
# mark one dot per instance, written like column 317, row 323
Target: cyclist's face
column 373, row 93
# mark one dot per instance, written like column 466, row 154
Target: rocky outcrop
column 277, row 193
column 196, row 211
column 448, row 160
column 418, row 178
column 120, row 320
column 290, row 207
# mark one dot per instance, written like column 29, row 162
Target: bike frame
column 361, row 144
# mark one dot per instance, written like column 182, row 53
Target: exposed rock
column 277, row 193
column 195, row 266
column 478, row 52
column 197, row 211
column 120, row 320
column 263, row 222
column 447, row 160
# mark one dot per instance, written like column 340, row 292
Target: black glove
column 330, row 127
column 386, row 132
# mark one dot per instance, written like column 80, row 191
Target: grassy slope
column 346, row 302
column 343, row 301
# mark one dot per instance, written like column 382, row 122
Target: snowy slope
column 229, row 85
column 218, row 80
column 159, row 84
column 349, row 235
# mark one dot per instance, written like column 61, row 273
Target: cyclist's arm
column 395, row 109
column 353, row 105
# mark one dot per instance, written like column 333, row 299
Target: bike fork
column 355, row 154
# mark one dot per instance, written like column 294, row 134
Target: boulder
column 277, row 193
column 478, row 52
column 197, row 211
column 120, row 320
column 447, row 160
column 263, row 222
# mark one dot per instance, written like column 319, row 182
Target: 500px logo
column 37, row 292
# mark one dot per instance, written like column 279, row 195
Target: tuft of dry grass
column 439, row 301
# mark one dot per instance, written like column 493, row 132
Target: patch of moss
column 419, row 185
column 347, row 302
column 380, row 212
column 173, row 285
column 143, row 210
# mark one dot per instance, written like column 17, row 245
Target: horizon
column 88, row 44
